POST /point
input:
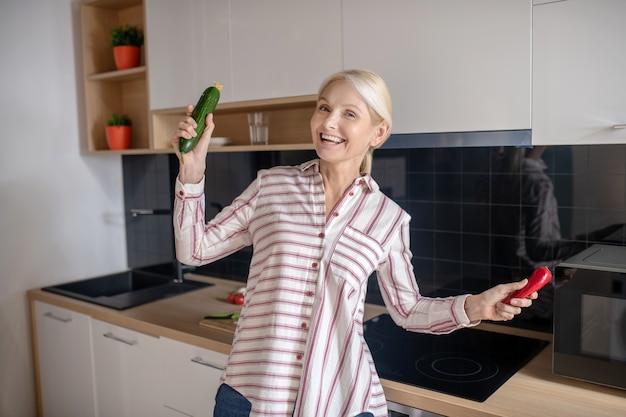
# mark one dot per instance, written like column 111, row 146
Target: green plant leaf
column 126, row 35
column 119, row 120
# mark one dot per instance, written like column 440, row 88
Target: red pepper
column 540, row 277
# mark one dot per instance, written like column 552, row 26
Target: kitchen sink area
column 129, row 288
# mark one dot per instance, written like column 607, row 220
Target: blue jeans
column 230, row 403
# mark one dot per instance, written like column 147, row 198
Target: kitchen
column 68, row 198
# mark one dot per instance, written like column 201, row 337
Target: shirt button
column 314, row 265
column 321, row 235
column 303, row 325
column 351, row 193
column 336, row 214
column 309, row 293
column 181, row 193
column 360, row 182
column 299, row 356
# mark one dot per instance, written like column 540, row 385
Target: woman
column 318, row 231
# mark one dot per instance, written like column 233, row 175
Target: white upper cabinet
column 579, row 72
column 451, row 66
column 188, row 48
column 283, row 48
column 256, row 49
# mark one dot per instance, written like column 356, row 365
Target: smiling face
column 342, row 127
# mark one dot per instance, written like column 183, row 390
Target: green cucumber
column 206, row 104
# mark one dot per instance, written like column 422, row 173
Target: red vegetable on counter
column 237, row 297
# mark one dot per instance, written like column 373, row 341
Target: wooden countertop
column 533, row 391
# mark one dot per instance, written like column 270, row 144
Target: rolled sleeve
column 186, row 191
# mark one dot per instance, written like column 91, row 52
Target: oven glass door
column 590, row 325
column 603, row 327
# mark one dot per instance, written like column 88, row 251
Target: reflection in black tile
column 477, row 271
column 606, row 191
column 418, row 161
column 447, row 272
column 448, row 159
column 422, row 214
column 448, row 246
column 448, row 186
column 564, row 188
column 567, row 216
column 599, row 219
column 476, row 248
column 567, row 157
column 475, row 187
column 424, row 269
column 506, row 189
column 475, row 218
column 610, row 159
column 147, row 185
column 448, row 216
column 617, row 236
column 465, row 203
column 421, row 186
column 423, row 243
column 476, row 159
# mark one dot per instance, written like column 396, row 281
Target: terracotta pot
column 126, row 56
column 119, row 137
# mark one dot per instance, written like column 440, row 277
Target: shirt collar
column 535, row 163
column 315, row 164
column 365, row 180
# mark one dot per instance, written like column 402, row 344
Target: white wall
column 61, row 212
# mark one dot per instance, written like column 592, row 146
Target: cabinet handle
column 201, row 361
column 110, row 335
column 619, row 126
column 61, row 319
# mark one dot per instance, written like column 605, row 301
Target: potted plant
column 126, row 41
column 119, row 132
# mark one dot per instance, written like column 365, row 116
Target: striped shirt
column 299, row 348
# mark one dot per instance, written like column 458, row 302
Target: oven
column 399, row 410
column 590, row 316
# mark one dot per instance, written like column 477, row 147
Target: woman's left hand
column 489, row 305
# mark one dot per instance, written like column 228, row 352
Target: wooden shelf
column 113, row 4
column 108, row 91
column 131, row 74
column 289, row 124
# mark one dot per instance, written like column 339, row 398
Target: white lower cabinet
column 191, row 377
column 127, row 371
column 64, row 362
column 88, row 368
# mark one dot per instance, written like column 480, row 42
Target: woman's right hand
column 192, row 170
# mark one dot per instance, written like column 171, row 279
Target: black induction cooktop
column 467, row 363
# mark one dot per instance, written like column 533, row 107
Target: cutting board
column 226, row 326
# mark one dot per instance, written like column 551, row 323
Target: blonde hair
column 374, row 92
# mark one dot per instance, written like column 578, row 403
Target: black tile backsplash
column 147, row 180
column 470, row 210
